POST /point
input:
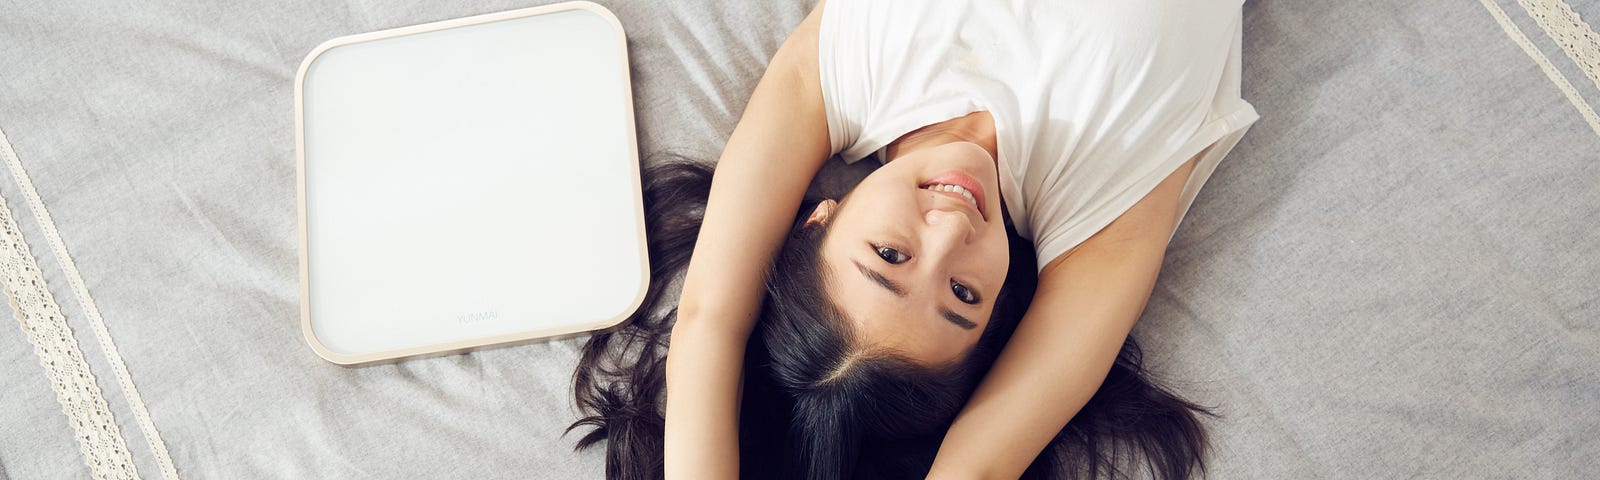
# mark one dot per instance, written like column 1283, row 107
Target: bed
column 1393, row 275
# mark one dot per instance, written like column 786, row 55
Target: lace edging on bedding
column 1538, row 57
column 40, row 317
column 1568, row 30
column 86, row 410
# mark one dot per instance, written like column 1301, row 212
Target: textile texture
column 1391, row 276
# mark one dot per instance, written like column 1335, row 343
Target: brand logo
column 476, row 317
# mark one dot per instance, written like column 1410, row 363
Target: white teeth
column 956, row 189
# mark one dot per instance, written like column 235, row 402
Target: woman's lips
column 963, row 180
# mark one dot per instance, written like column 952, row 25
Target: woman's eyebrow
column 899, row 291
column 957, row 319
column 883, row 281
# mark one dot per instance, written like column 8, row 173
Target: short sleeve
column 1225, row 117
column 842, row 67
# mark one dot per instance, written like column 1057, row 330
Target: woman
column 1085, row 127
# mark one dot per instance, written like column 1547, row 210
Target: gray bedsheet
column 1392, row 276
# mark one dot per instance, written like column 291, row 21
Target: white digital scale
column 468, row 183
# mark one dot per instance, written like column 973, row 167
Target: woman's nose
column 947, row 229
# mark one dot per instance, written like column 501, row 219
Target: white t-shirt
column 1094, row 101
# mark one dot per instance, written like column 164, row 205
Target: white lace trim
column 58, row 352
column 36, row 309
column 1570, row 32
column 1550, row 71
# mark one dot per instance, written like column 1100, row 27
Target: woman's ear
column 822, row 213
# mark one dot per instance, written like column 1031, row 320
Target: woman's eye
column 963, row 293
column 888, row 254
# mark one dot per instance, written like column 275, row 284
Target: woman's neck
column 976, row 127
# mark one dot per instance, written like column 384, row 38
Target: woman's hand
column 775, row 150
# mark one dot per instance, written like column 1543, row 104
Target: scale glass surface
column 468, row 183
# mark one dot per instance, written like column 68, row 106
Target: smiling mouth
column 960, row 186
column 959, row 191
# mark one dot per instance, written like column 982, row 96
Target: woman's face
column 912, row 260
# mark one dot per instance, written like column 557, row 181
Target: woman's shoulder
column 798, row 53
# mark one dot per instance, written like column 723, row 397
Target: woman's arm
column 775, row 150
column 1087, row 301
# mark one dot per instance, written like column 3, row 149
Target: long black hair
column 816, row 405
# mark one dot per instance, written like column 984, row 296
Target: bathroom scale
column 468, row 183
